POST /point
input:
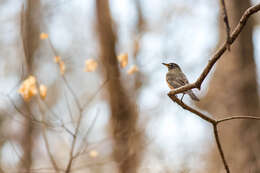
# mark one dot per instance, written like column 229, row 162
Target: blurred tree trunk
column 233, row 91
column 137, row 36
column 30, row 39
column 127, row 138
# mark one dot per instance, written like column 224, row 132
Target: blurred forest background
column 106, row 107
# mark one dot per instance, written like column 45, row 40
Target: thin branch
column 80, row 109
column 250, row 11
column 225, row 18
column 85, row 105
column 214, row 122
column 90, row 147
column 17, row 153
column 186, row 107
column 30, row 116
column 52, row 47
column 74, row 143
column 237, row 117
column 16, row 108
column 206, row 71
column 67, row 130
column 68, row 106
column 47, row 145
column 57, row 117
column 72, row 93
column 45, row 138
column 87, row 134
column 65, row 80
column 50, row 110
column 72, row 157
column 220, row 148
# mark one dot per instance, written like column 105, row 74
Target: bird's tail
column 193, row 96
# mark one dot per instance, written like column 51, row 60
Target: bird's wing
column 182, row 79
column 173, row 84
column 176, row 79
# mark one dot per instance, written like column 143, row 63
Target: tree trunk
column 30, row 38
column 233, row 91
column 127, row 138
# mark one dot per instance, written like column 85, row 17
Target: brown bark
column 124, row 116
column 233, row 91
column 30, row 39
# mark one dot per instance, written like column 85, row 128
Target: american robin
column 175, row 78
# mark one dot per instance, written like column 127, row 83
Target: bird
column 175, row 78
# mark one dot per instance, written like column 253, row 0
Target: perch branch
column 220, row 148
column 225, row 18
column 186, row 107
column 204, row 74
column 197, row 84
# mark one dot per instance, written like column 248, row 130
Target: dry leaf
column 132, row 70
column 93, row 153
column 123, row 60
column 62, row 67
column 43, row 91
column 90, row 65
column 57, row 59
column 28, row 88
column 43, row 36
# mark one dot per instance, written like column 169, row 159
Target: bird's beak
column 167, row 65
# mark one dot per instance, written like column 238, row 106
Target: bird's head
column 172, row 66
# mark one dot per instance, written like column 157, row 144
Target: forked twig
column 225, row 18
column 80, row 109
column 214, row 123
column 205, row 73
column 197, row 84
column 196, row 112
column 46, row 141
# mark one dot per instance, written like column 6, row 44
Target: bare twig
column 47, row 145
column 205, row 73
column 95, row 94
column 72, row 157
column 86, row 136
column 220, row 148
column 28, row 116
column 52, row 47
column 80, row 109
column 197, row 84
column 45, row 138
column 225, row 18
column 186, row 107
column 214, row 123
column 72, row 93
column 17, row 153
column 65, row 80
column 208, row 119
column 237, row 117
column 68, row 107
column 74, row 144
column 57, row 117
